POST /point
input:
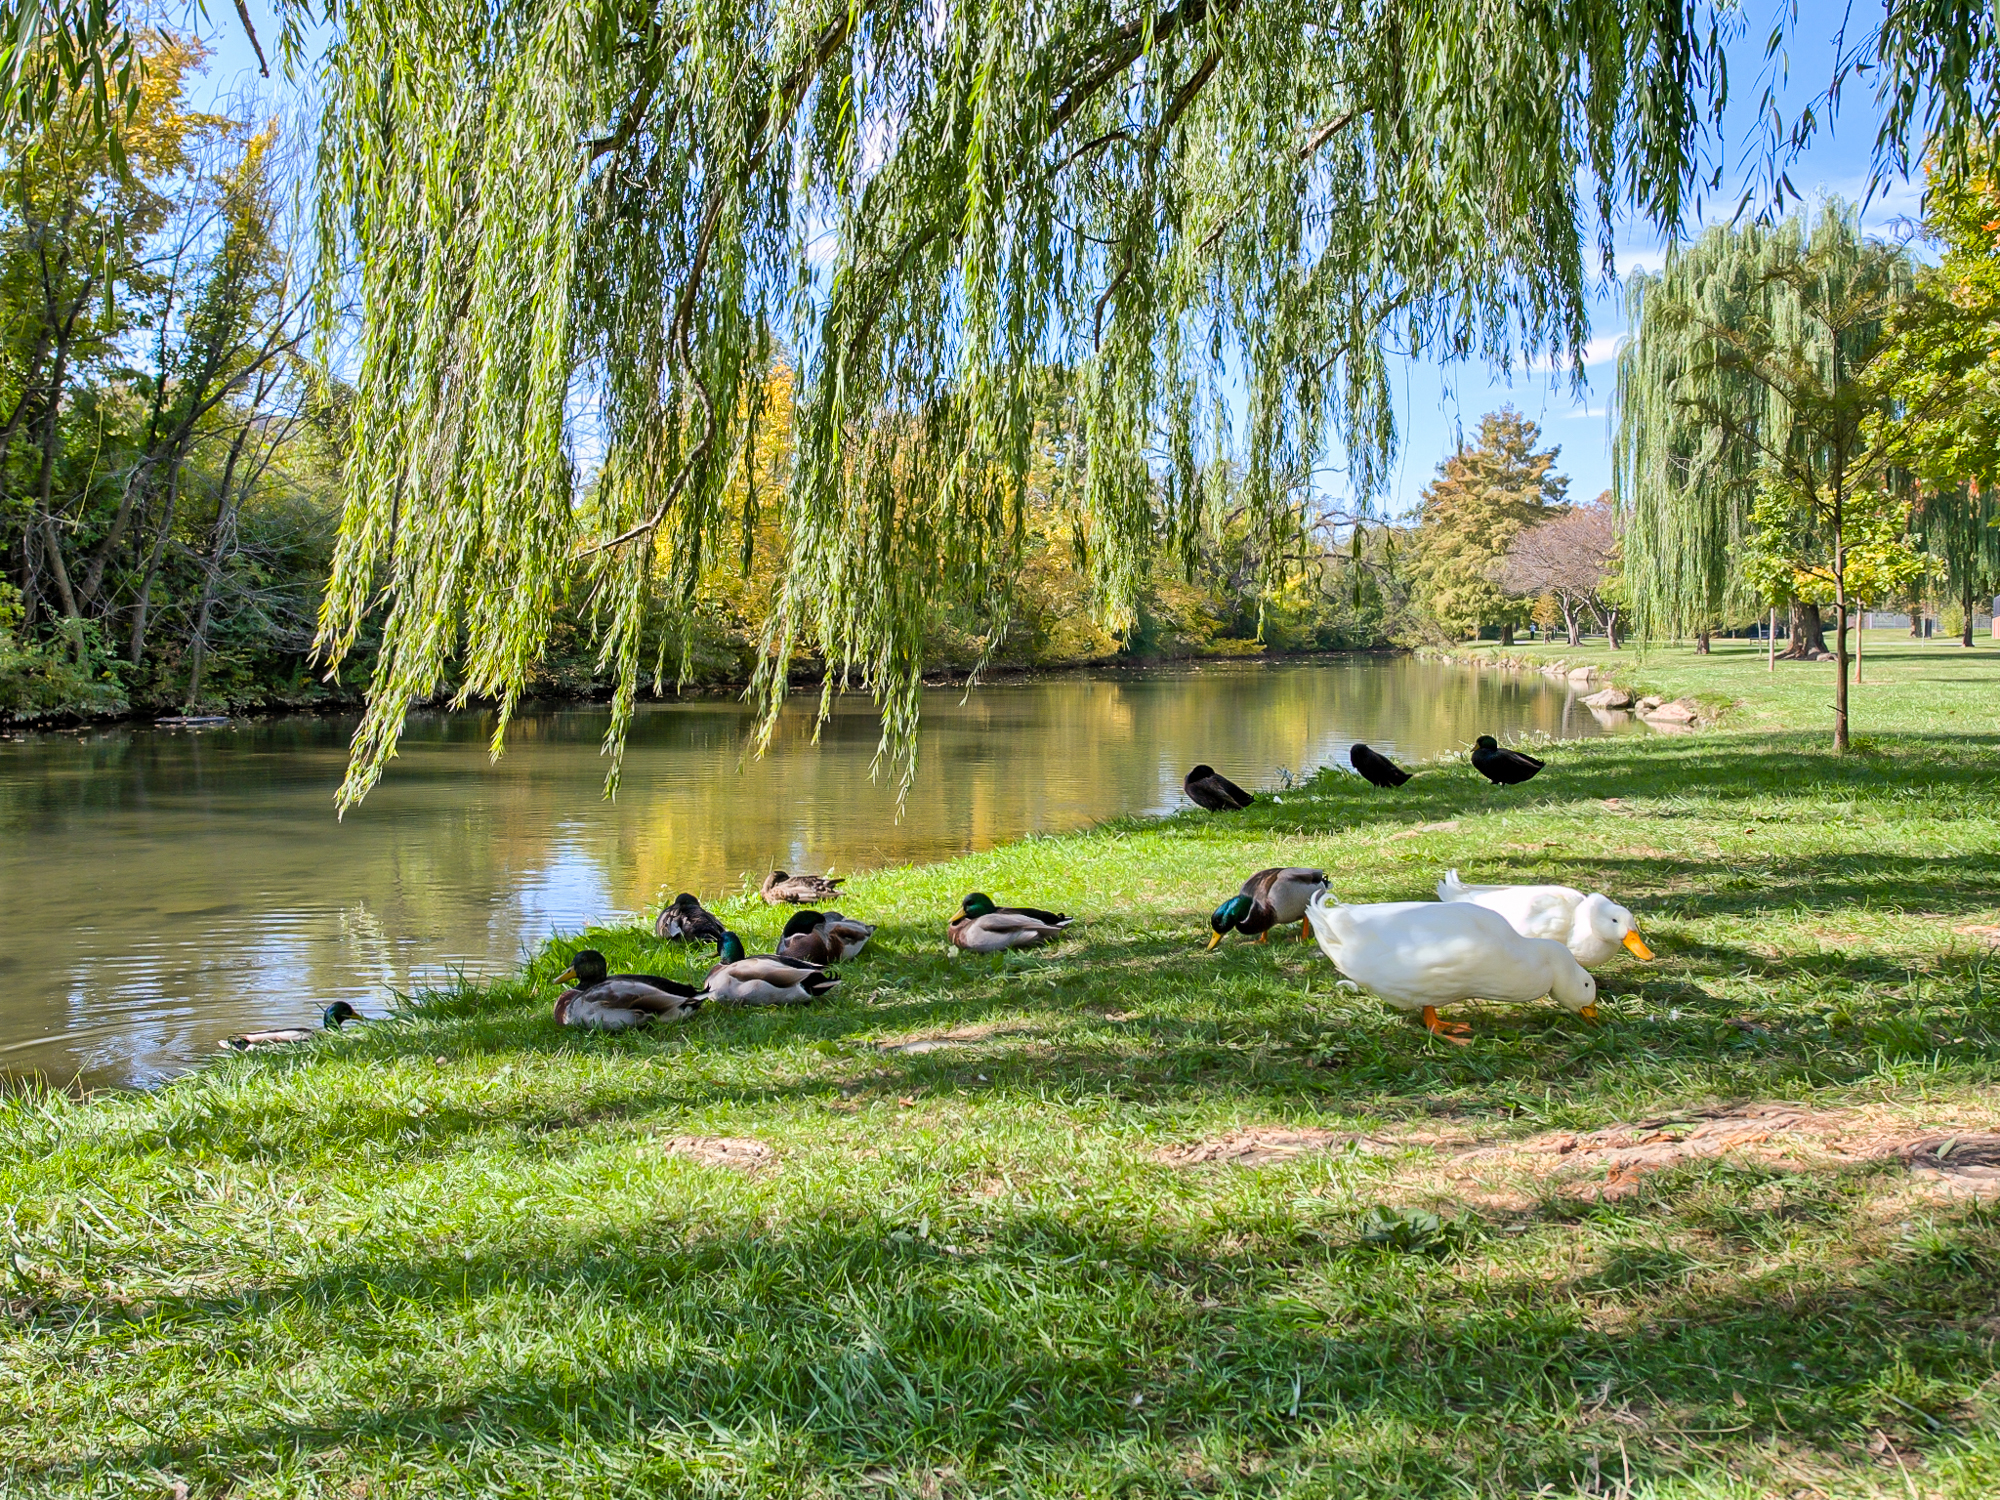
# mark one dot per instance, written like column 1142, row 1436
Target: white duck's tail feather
column 1450, row 887
column 1321, row 912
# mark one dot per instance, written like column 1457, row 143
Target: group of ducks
column 1475, row 942
column 800, row 969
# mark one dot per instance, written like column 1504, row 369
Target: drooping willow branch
column 580, row 234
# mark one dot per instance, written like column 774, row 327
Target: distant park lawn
column 1121, row 1218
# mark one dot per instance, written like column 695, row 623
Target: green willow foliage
column 585, row 227
column 1756, row 366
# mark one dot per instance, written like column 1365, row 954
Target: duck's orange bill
column 1589, row 1013
column 1638, row 945
column 1212, row 942
column 569, row 973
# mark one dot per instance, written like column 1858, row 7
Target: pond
column 162, row 888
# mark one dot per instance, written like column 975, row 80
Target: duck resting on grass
column 805, row 939
column 1376, row 768
column 603, row 1001
column 764, row 979
column 979, row 904
column 1209, row 788
column 982, row 927
column 686, row 920
column 846, row 936
column 1268, row 898
column 1592, row 927
column 799, row 890
column 1418, row 955
column 1502, row 767
column 330, row 1019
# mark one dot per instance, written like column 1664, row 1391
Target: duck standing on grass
column 764, row 979
column 1592, row 927
column 1376, row 768
column 330, row 1019
column 1268, row 898
column 686, row 920
column 1502, row 767
column 1418, row 955
column 798, row 890
column 1209, row 788
column 603, row 1001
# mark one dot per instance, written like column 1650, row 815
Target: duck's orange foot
column 1456, row 1032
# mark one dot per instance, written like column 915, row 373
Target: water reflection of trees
column 167, row 888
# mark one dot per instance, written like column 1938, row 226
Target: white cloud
column 1599, row 351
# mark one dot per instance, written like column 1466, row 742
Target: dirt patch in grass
column 1957, row 1165
column 938, row 1041
column 1253, row 1148
column 738, row 1153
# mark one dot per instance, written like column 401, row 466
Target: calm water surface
column 160, row 889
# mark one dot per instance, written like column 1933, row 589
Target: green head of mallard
column 730, row 949
column 977, row 905
column 586, row 967
column 1229, row 916
column 332, row 1017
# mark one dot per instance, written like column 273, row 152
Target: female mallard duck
column 1502, row 767
column 1418, row 955
column 330, row 1019
column 1592, row 927
column 686, row 920
column 979, row 904
column 603, row 1001
column 1209, row 788
column 1268, row 898
column 761, row 979
column 995, row 930
column 799, row 890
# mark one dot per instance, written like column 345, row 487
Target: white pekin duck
column 1418, row 955
column 1592, row 927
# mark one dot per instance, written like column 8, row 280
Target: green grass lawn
column 1120, row 1218
column 1906, row 686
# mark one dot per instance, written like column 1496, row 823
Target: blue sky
column 1435, row 404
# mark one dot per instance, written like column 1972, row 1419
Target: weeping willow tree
column 578, row 229
column 1752, row 450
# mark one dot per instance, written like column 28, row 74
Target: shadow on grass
column 1029, row 1343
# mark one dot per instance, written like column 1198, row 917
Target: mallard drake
column 1268, row 898
column 996, row 931
column 1376, row 767
column 799, row 890
column 1592, row 927
column 1207, row 787
column 848, row 935
column 979, row 904
column 686, row 920
column 603, row 1001
column 763, row 979
column 805, row 939
column 1418, row 955
column 1502, row 767
column 330, row 1019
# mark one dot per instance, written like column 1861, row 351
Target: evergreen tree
column 1484, row 496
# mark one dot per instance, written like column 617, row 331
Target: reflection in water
column 160, row 889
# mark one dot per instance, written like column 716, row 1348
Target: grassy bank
column 1119, row 1217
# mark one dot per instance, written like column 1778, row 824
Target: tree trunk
column 1701, row 646
column 140, row 610
column 1840, row 739
column 1507, row 634
column 221, row 545
column 1965, row 634
column 1808, row 642
column 1571, row 624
